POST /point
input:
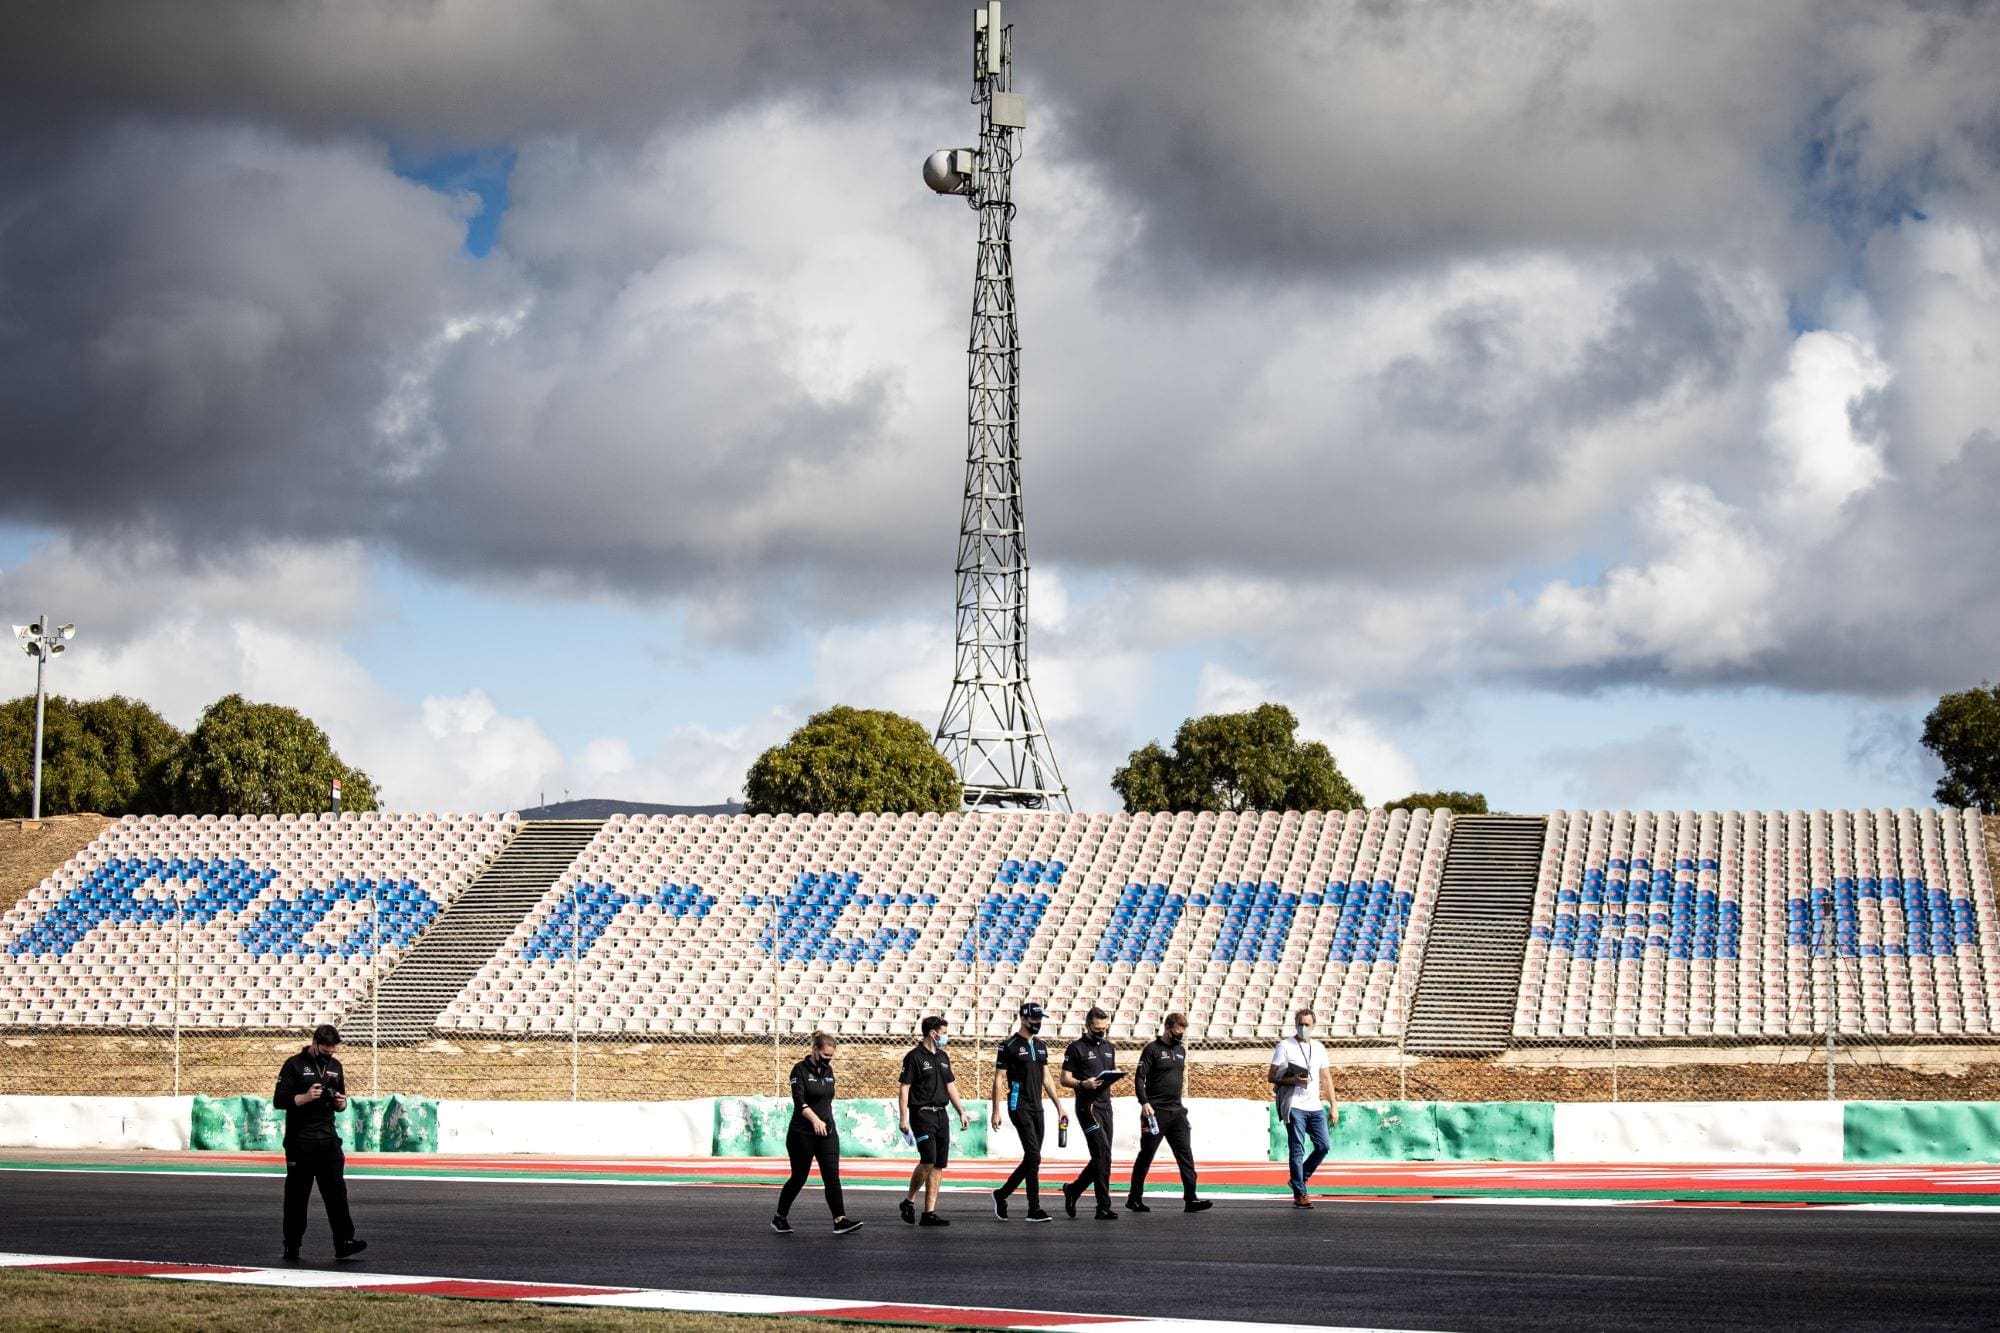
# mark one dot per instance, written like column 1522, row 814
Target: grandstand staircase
column 471, row 930
column 1471, row 972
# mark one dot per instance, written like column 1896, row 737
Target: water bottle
column 1062, row 1132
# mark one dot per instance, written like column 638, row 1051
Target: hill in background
column 604, row 809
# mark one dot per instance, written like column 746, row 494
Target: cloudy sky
column 1587, row 404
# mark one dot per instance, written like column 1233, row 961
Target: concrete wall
column 71, row 1123
column 1224, row 1130
column 584, row 1129
column 1697, row 1132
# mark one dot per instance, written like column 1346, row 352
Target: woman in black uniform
column 813, row 1135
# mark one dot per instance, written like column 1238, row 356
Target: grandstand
column 226, row 923
column 863, row 923
column 1675, row 929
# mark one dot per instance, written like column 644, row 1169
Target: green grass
column 31, row 1300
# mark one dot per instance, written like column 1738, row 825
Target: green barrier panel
column 751, row 1126
column 359, row 1123
column 1433, row 1132
column 263, row 1125
column 369, row 1124
column 869, row 1127
column 217, row 1125
column 1921, row 1132
column 1370, row 1132
column 1385, row 1132
column 1495, row 1131
column 410, row 1124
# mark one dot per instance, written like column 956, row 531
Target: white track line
column 694, row 1302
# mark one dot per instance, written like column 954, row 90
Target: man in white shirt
column 1303, row 1077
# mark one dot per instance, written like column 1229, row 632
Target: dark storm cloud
column 455, row 70
column 1402, row 295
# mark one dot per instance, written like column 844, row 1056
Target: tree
column 1963, row 731
column 853, row 759
column 1458, row 802
column 1236, row 761
column 258, row 759
column 102, row 756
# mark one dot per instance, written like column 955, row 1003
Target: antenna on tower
column 991, row 730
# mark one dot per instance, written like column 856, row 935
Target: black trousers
column 323, row 1164
column 1094, row 1118
column 806, row 1147
column 1028, row 1124
column 1173, row 1123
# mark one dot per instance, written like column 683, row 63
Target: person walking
column 814, row 1137
column 1090, row 1066
column 924, row 1088
column 312, row 1089
column 1021, row 1072
column 1303, row 1076
column 1157, row 1084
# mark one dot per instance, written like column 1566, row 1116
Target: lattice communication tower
column 992, row 730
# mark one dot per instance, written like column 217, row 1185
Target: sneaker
column 1107, row 1214
column 908, row 1211
column 781, row 1226
column 1000, row 1205
column 1037, row 1215
column 1069, row 1199
column 349, row 1250
column 1137, row 1206
column 1198, row 1206
column 932, row 1220
column 291, row 1256
column 845, row 1225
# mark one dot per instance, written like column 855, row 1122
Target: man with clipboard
column 1303, row 1078
column 1090, row 1066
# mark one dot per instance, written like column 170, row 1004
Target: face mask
column 940, row 1039
column 1304, row 1033
column 1034, row 1025
column 1094, row 1036
column 1173, row 1039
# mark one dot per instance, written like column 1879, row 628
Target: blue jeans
column 1298, row 1126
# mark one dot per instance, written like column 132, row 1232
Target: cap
column 1031, row 1010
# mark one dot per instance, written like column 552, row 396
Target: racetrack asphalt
column 1393, row 1265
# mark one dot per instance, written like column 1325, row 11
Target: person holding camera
column 312, row 1089
column 813, row 1136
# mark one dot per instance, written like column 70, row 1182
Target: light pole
column 41, row 641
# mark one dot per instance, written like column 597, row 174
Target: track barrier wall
column 367, row 1124
column 685, row 1128
column 1921, row 1132
column 1699, row 1132
column 1432, row 1132
column 162, row 1124
column 1690, row 1133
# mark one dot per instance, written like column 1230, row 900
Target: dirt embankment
column 76, row 1064
column 29, row 853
